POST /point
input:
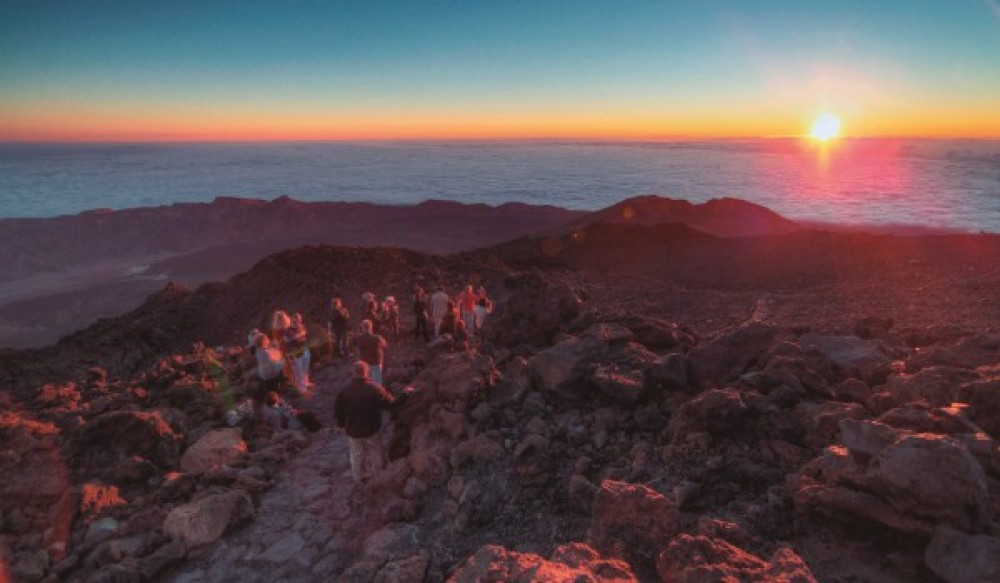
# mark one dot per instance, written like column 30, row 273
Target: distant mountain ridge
column 34, row 246
column 722, row 217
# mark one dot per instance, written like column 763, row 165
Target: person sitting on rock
column 270, row 365
column 358, row 411
column 371, row 348
column 297, row 355
column 421, row 316
column 340, row 322
column 278, row 414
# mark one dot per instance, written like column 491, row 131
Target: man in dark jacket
column 358, row 410
column 339, row 323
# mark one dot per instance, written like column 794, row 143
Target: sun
column 826, row 127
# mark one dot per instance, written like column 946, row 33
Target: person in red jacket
column 358, row 411
column 466, row 302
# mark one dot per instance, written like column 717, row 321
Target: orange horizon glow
column 72, row 127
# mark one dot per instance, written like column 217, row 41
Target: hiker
column 390, row 317
column 297, row 355
column 461, row 336
column 358, row 410
column 270, row 365
column 371, row 349
column 338, row 325
column 369, row 308
column 483, row 309
column 279, row 323
column 439, row 306
column 278, row 414
column 449, row 320
column 467, row 303
column 420, row 315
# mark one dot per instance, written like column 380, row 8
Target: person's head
column 262, row 341
column 297, row 319
column 366, row 326
column 272, row 399
column 280, row 321
column 441, row 287
column 390, row 300
column 336, row 303
column 468, row 289
column 361, row 369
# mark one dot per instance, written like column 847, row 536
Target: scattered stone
column 216, row 448
column 204, row 521
column 957, row 557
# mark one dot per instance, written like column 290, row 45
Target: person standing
column 372, row 347
column 420, row 315
column 467, row 303
column 358, row 411
column 340, row 321
column 439, row 307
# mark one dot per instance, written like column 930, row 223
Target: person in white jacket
column 439, row 307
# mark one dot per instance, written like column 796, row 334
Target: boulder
column 936, row 384
column 932, row 478
column 851, row 356
column 921, row 417
column 656, row 334
column 573, row 562
column 822, row 419
column 219, row 447
column 553, row 368
column 865, row 437
column 127, row 433
column 536, row 309
column 983, row 398
column 670, row 372
column 729, row 355
column 631, row 521
column 957, row 557
column 969, row 352
column 697, row 559
column 205, row 520
column 718, row 412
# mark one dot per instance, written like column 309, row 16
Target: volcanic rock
column 631, row 520
column 218, row 447
column 693, row 559
column 574, row 562
column 957, row 557
column 727, row 356
column 851, row 356
column 205, row 520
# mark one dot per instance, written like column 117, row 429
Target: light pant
column 376, row 373
column 437, row 317
column 366, row 457
column 300, row 372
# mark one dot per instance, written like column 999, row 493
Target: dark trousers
column 340, row 342
column 422, row 329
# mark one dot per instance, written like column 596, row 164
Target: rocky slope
column 652, row 417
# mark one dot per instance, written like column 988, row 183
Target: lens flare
column 826, row 127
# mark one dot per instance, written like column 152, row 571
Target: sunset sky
column 133, row 70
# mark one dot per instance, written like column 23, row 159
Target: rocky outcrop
column 204, row 520
column 691, row 559
column 216, row 448
column 574, row 562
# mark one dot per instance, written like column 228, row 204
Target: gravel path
column 303, row 530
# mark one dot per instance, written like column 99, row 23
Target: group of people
column 461, row 316
column 283, row 355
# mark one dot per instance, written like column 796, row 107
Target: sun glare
column 826, row 126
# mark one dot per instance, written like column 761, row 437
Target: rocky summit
column 671, row 411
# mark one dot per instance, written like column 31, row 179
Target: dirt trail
column 307, row 524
